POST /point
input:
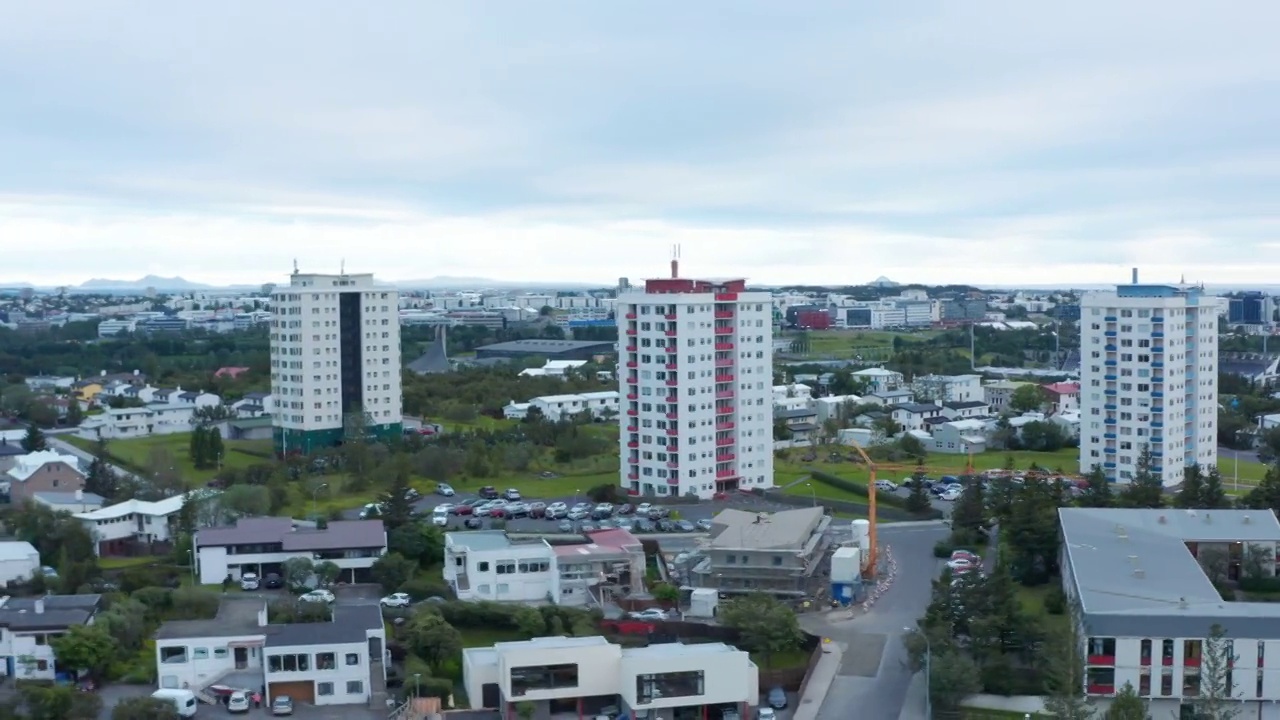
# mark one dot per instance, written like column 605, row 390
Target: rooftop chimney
column 675, row 261
column 1139, row 573
column 79, row 495
column 40, row 605
column 1135, row 276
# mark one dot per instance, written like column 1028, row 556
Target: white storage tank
column 862, row 535
column 846, row 564
column 703, row 603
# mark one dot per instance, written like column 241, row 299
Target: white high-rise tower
column 696, row 384
column 1148, row 379
column 335, row 351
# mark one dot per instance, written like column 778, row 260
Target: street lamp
column 812, row 493
column 928, row 662
column 314, row 494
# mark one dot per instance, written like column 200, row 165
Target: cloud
column 989, row 141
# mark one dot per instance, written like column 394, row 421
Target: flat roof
column 17, row 550
column 535, row 345
column 69, row 498
column 478, row 539
column 669, row 649
column 48, row 612
column 350, row 624
column 236, row 616
column 1135, row 576
column 338, row 535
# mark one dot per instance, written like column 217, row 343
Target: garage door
column 303, row 692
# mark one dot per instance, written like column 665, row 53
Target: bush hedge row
column 857, row 489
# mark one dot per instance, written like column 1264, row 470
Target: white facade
column 880, row 380
column 308, row 337
column 657, row 678
column 27, row 627
column 257, row 543
column 554, row 368
column 562, row 407
column 695, row 373
column 486, row 565
column 18, row 561
column 113, row 424
column 1148, row 376
column 949, row 388
column 338, row 673
column 132, row 520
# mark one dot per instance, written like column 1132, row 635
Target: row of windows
column 301, row 662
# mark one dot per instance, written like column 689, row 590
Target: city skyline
column 992, row 143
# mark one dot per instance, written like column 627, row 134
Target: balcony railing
column 672, row 349
column 724, row 410
column 725, row 378
column 631, row 331
column 673, row 481
column 673, row 464
column 672, row 415
column 633, row 428
column 670, row 333
column 633, row 364
column 672, row 383
column 631, row 316
column 724, row 329
column 633, row 445
column 724, row 442
column 726, row 457
column 724, row 362
column 633, row 412
column 724, row 394
column 631, row 348
column 724, row 426
column 721, row 474
column 672, row 366
column 670, row 316
column 632, row 396
column 726, row 297
column 724, row 314
column 724, row 346
column 633, row 476
column 672, row 432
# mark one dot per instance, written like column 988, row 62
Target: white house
column 890, row 397
column 1062, row 396
column 488, row 565
column 119, row 423
column 965, row 409
column 554, row 368
column 912, row 416
column 603, row 404
column 949, row 388
column 261, row 545
column 254, row 404
column 197, row 399
column 880, row 380
column 516, row 411
column 585, row 675
column 341, row 662
column 49, row 383
column 76, row 501
column 28, row 624
column 831, row 407
column 116, row 527
column 18, row 561
column 959, row 437
column 998, row 393
column 1069, row 421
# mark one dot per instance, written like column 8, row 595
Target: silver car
column 282, row 705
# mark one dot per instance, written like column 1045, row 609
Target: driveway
column 874, row 675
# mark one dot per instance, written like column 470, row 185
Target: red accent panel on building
column 689, row 285
column 813, row 320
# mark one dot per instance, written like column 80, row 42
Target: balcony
column 672, row 432
column 673, row 481
column 631, row 331
column 724, row 346
column 1109, row 391
column 724, row 426
column 726, row 297
column 1109, row 348
column 1109, row 465
column 1157, row 334
column 721, row 474
column 724, row 314
column 633, row 364
column 724, row 442
column 1109, row 421
column 633, row 412
column 726, row 377
column 633, row 445
column 633, row 428
column 724, row 362
column 1111, row 333
column 1109, row 406
column 1157, row 393
column 1109, row 436
column 1157, row 424
column 670, row 316
column 669, row 333
column 631, row 316
column 724, row 394
column 632, row 396
column 1110, row 318
column 724, row 330
column 1110, row 451
column 1109, row 378
column 633, row 476
column 672, row 464
column 673, row 415
column 726, row 457
column 1110, row 363
column 1158, row 349
column 631, row 348
column 1157, row 319
column 672, row 349
column 724, row 410
column 672, row 383
column 672, row 366
column 1157, row 364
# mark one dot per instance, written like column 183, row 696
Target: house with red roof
column 1062, row 397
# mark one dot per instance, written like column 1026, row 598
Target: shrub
column 856, row 488
column 1260, row 584
column 1055, row 603
column 943, row 549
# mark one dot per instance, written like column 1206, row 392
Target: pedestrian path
column 820, row 679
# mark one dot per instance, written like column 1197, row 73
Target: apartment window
column 669, row 685
column 324, row 688
column 1166, row 682
column 326, row 661
column 1144, row 682
column 355, row 687
column 173, row 655
column 199, row 653
column 546, row 677
column 353, row 658
column 288, row 663
column 220, row 652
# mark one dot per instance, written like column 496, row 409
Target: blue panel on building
column 846, row 593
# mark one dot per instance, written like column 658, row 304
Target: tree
column 1127, row 705
column 34, row 440
column 86, row 647
column 1027, row 398
column 75, row 413
column 327, row 572
column 1266, row 494
column 1214, row 701
column 418, row 542
column 1189, row 495
column 198, row 448
column 144, row 708
column 1097, row 493
column 918, row 498
column 58, row 702
column 397, row 508
column 214, row 449
column 355, row 448
column 1063, row 663
column 101, row 478
column 1146, row 489
column 969, row 516
column 765, row 626
column 297, row 571
column 1213, row 496
column 242, row 500
column 432, row 639
column 953, row 676
column 392, row 570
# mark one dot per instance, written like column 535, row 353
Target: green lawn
column 476, row 637
column 139, row 452
column 870, row 344
column 1032, row 601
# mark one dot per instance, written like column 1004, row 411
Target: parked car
column 372, row 510
column 950, row 495
column 249, row 581
column 282, row 705
column 238, row 702
column 473, row 523
column 273, row 581
column 512, row 494
column 960, row 564
column 766, row 713
column 704, row 525
column 317, row 596
column 556, row 510
column 440, row 516
column 586, row 527
column 565, row 526
column 603, row 510
column 488, row 492
column 777, row 698
column 625, row 509
column 578, row 513
column 657, row 512
column 663, row 526
column 649, row 614
column 625, row 523
column 410, row 494
column 515, row 510
column 643, row 509
column 488, row 508
column 445, row 489
column 396, row 600
column 685, row 526
column 886, row 485
column 644, row 525
column 537, row 509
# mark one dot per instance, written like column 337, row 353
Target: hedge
column 882, row 498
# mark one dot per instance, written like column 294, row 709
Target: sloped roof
column 436, row 359
column 785, row 530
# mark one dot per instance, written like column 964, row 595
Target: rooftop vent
column 1139, row 573
column 1246, row 519
column 1133, row 559
column 1208, row 519
column 1120, row 531
column 1191, row 513
column 1163, row 520
column 1182, row 603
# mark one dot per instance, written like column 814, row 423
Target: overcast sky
column 979, row 141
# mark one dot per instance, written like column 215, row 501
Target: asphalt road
column 874, row 673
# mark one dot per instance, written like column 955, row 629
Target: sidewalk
column 915, row 706
column 824, row 672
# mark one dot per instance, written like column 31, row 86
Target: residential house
column 254, row 404
column 43, row 471
column 913, row 416
column 27, row 625
column 1069, row 421
column 801, row 423
column 948, row 388
column 261, row 545
column 835, row 407
column 959, row 437
column 86, row 391
column 554, row 368
column 340, row 662
column 776, row 553
column 890, row 397
column 1062, row 397
column 119, row 528
column 257, row 428
column 998, row 393
column 49, row 383
column 1017, row 423
column 591, row 573
column 965, row 409
column 197, row 399
column 488, row 565
column 792, row 397
column 516, row 411
column 1261, row 370
column 880, row 380
column 121, row 423
column 600, row 405
column 73, row 502
column 19, row 562
column 165, row 396
column 591, row 677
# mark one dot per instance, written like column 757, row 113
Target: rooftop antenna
column 295, row 266
column 675, row 261
column 342, row 266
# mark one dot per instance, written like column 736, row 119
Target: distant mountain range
column 150, row 281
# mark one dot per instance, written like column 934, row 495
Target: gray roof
column 9, row 449
column 916, row 408
column 236, row 616
column 786, row 530
column 964, row 404
column 552, row 346
column 436, row 358
column 339, row 534
column 255, row 396
column 351, row 624
column 189, row 395
column 1135, row 576
column 795, row 413
column 60, row 611
column 69, row 498
column 478, row 539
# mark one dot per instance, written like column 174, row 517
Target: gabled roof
column 916, row 408
column 27, row 465
column 159, row 508
column 1062, row 388
column 964, row 404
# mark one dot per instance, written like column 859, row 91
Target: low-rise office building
column 776, row 553
column 587, row 676
column 262, row 545
column 1140, row 585
column 340, row 662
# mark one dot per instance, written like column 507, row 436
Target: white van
column 184, row 700
column 440, row 517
